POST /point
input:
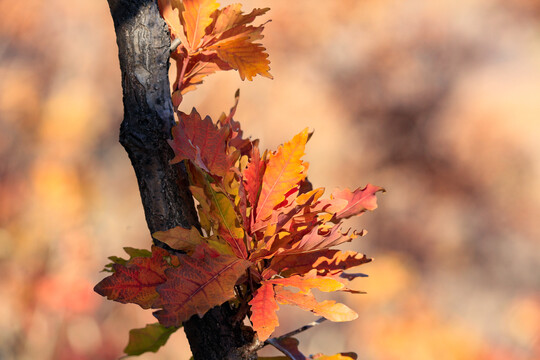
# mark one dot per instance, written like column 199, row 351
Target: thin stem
column 183, row 72
column 175, row 44
column 302, row 329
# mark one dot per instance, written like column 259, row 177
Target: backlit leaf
column 195, row 18
column 263, row 308
column 136, row 281
column 284, row 171
column 305, row 300
column 309, row 281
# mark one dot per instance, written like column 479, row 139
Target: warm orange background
column 438, row 101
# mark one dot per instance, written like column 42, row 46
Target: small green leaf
column 149, row 338
column 137, row 252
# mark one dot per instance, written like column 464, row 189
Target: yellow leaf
column 245, row 56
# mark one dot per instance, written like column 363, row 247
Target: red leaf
column 356, row 202
column 263, row 311
column 197, row 285
column 201, row 142
column 323, row 260
column 136, row 281
column 253, row 176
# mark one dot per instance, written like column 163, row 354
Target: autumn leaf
column 136, row 281
column 229, row 227
column 232, row 16
column 309, row 281
column 148, row 339
column 242, row 54
column 180, row 238
column 305, row 300
column 169, row 11
column 195, row 18
column 325, row 261
column 284, row 171
column 197, row 285
column 253, row 176
column 200, row 141
column 354, row 202
column 263, row 308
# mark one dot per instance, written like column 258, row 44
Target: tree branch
column 144, row 46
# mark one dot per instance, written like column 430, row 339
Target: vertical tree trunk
column 143, row 45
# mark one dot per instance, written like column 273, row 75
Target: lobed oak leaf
column 136, row 281
column 284, row 170
column 320, row 238
column 180, row 238
column 148, row 339
column 197, row 285
column 263, row 311
column 229, row 226
column 324, row 261
column 346, row 203
column 309, row 281
column 167, row 9
column 196, row 17
column 253, row 176
column 329, row 309
column 201, row 142
column 242, row 54
column 232, row 16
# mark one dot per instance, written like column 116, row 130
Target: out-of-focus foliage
column 435, row 100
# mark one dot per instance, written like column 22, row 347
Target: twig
column 302, row 329
column 175, row 44
column 274, row 341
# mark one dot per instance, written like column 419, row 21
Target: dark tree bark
column 143, row 45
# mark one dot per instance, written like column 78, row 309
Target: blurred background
column 437, row 101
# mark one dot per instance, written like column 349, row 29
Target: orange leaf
column 309, row 281
column 167, row 9
column 242, row 54
column 231, row 16
column 284, row 171
column 136, row 281
column 329, row 309
column 263, row 311
column 197, row 285
column 195, row 18
column 253, row 176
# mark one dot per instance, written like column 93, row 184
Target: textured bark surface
column 143, row 46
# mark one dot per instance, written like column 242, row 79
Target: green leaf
column 149, row 338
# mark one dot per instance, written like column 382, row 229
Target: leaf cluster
column 267, row 237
